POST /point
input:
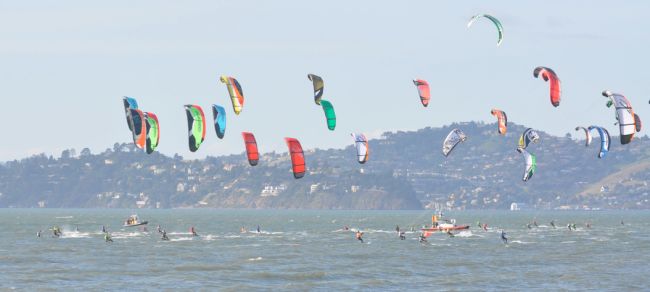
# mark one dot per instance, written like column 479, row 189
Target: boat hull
column 138, row 224
column 445, row 229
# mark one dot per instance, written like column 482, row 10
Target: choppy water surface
column 305, row 250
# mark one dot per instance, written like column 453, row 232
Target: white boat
column 438, row 224
column 133, row 220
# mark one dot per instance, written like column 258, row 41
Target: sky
column 65, row 65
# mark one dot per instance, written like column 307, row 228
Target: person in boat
column 107, row 237
column 164, row 235
column 258, row 229
column 553, row 223
column 402, row 235
column 423, row 239
column 359, row 236
column 193, row 231
column 56, row 231
column 503, row 237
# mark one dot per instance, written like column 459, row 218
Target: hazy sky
column 65, row 65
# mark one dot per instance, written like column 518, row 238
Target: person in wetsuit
column 503, row 237
column 164, row 235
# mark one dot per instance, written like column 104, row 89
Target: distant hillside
column 406, row 170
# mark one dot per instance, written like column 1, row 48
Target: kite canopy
column 297, row 157
column 153, row 132
column 502, row 120
column 495, row 21
column 139, row 127
column 423, row 91
column 453, row 139
column 530, row 164
column 361, row 144
column 330, row 116
column 549, row 74
column 235, row 91
column 527, row 137
column 587, row 135
column 251, row 148
column 195, row 126
column 319, row 86
column 129, row 103
column 219, row 114
column 604, row 140
column 624, row 115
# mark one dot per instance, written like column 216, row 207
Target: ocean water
column 309, row 250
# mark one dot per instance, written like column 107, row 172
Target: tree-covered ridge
column 406, row 170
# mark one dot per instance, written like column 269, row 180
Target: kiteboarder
column 485, row 226
column 503, row 237
column 159, row 229
column 103, row 229
column 402, row 235
column 258, row 229
column 397, row 229
column 193, row 231
column 38, row 234
column 553, row 223
column 423, row 239
column 346, row 228
column 569, row 226
column 450, row 234
column 359, row 236
column 164, row 235
column 107, row 237
column 535, row 223
column 478, row 223
column 242, row 230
